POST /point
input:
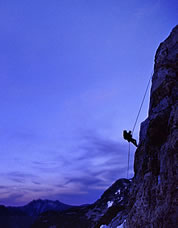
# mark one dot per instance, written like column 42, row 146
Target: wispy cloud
column 2, row 187
column 11, row 198
column 98, row 163
column 21, row 175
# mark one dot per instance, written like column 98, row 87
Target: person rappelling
column 128, row 136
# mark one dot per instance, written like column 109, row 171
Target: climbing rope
column 137, row 120
column 142, row 103
column 128, row 162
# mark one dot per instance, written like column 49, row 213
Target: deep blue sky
column 72, row 76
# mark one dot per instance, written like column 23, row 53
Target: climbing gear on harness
column 128, row 136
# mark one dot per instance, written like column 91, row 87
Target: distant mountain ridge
column 24, row 216
column 110, row 208
column 36, row 207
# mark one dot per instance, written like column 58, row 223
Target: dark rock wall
column 153, row 193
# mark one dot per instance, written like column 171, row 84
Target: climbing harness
column 137, row 120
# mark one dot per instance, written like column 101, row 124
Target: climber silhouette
column 128, row 136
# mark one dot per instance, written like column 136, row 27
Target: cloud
column 99, row 163
column 19, row 175
column 96, row 164
column 102, row 153
column 11, row 199
column 36, row 182
column 85, row 181
column 45, row 166
column 3, row 187
column 20, row 178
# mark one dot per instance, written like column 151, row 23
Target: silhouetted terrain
column 149, row 199
column 111, row 204
column 23, row 217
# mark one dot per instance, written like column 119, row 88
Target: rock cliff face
column 153, row 192
column 149, row 200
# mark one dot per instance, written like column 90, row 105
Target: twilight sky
column 72, row 76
